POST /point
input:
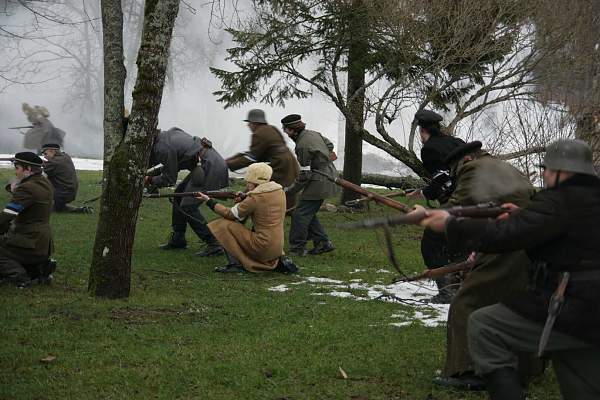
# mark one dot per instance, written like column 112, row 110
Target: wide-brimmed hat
column 257, row 116
column 458, row 153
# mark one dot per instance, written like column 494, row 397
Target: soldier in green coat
column 481, row 178
column 25, row 236
column 314, row 152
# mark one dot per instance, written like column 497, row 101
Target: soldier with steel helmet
column 558, row 314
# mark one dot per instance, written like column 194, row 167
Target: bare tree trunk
column 588, row 129
column 110, row 273
column 355, row 101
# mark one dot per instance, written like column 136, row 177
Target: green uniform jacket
column 268, row 145
column 25, row 221
column 313, row 152
column 494, row 277
column 61, row 173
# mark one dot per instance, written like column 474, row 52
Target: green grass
column 189, row 333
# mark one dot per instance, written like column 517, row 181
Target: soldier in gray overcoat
column 176, row 150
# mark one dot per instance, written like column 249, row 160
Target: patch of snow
column 82, row 164
column 383, row 271
column 407, row 293
column 280, row 288
column 313, row 279
column 357, row 270
column 105, row 251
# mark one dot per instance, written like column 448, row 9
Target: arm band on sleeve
column 211, row 203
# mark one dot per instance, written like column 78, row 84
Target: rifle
column 371, row 195
column 215, row 194
column 483, row 210
column 21, row 127
column 352, row 203
column 437, row 272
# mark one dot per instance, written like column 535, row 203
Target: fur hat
column 43, row 111
column 259, row 173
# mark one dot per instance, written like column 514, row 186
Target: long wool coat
column 258, row 250
column 494, row 277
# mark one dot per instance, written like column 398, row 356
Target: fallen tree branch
column 521, row 153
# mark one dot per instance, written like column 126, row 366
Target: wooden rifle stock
column 437, row 272
column 371, row 195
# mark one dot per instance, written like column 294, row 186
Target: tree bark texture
column 355, row 99
column 114, row 76
column 110, row 273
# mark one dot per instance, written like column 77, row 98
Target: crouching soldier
column 60, row 170
column 25, row 237
column 176, row 150
column 259, row 249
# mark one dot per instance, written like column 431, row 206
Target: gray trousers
column 496, row 334
column 305, row 225
column 186, row 210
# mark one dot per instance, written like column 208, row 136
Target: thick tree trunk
column 110, row 273
column 355, row 100
column 588, row 129
column 114, row 77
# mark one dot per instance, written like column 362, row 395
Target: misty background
column 52, row 57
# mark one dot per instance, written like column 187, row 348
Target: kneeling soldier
column 25, row 237
column 559, row 312
column 259, row 249
column 60, row 170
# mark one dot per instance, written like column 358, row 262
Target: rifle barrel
column 372, row 195
column 484, row 210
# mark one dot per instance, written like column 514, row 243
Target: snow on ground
column 82, row 164
column 410, row 294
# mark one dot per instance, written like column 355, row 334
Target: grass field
column 187, row 332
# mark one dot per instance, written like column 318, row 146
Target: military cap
column 427, row 117
column 257, row 116
column 458, row 153
column 291, row 119
column 28, row 158
column 50, row 146
column 569, row 155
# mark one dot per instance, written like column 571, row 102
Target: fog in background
column 54, row 52
column 53, row 58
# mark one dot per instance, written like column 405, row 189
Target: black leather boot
column 504, row 384
column 176, row 241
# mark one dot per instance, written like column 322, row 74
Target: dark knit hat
column 50, row 146
column 427, row 117
column 291, row 119
column 458, row 153
column 27, row 158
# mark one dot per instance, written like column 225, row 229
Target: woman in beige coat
column 259, row 249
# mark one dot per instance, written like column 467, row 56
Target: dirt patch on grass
column 143, row 315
